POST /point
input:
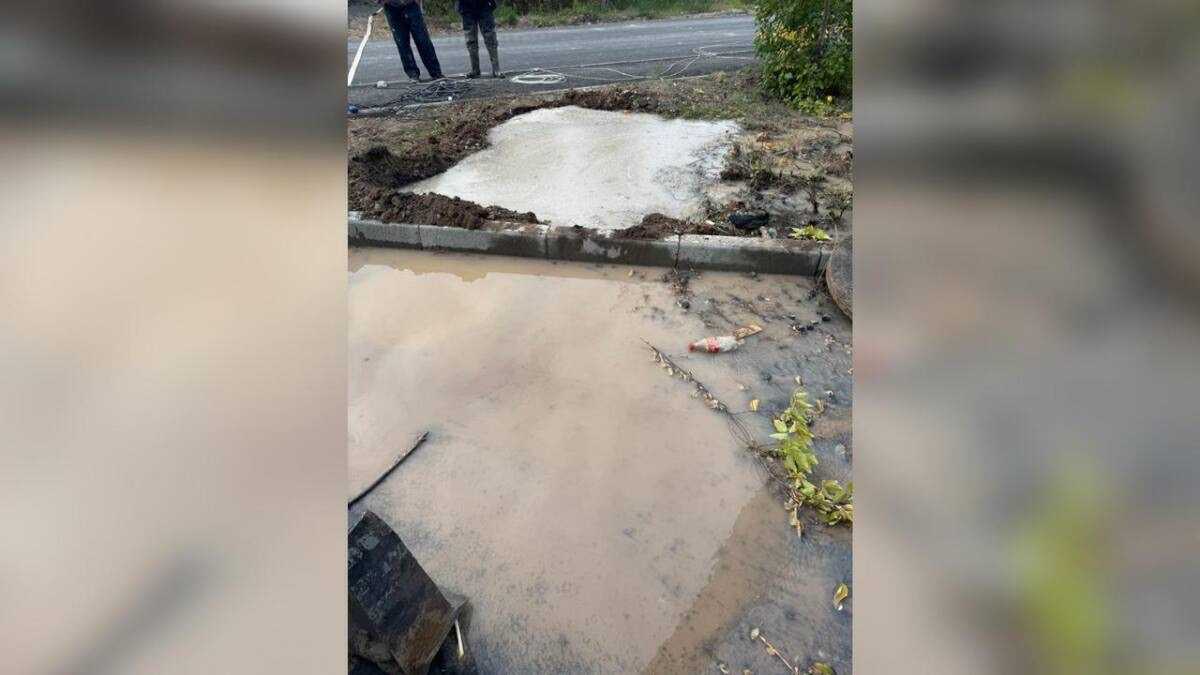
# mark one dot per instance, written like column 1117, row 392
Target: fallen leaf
column 754, row 634
column 723, row 668
column 821, row 669
column 754, row 405
column 842, row 592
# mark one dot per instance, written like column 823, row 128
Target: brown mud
column 657, row 226
column 394, row 206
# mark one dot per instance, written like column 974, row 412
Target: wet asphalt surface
column 578, row 56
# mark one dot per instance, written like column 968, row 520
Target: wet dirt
column 591, row 168
column 657, row 226
column 598, row 517
column 395, row 206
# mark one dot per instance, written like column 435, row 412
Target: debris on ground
column 399, row 620
column 839, row 595
column 756, row 634
column 715, row 345
column 404, row 455
column 749, row 220
column 743, row 332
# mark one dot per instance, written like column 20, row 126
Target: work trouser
column 474, row 23
column 407, row 22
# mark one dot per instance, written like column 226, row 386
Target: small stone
column 685, row 304
column 826, row 317
column 766, row 377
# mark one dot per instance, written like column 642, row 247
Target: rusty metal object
column 398, row 617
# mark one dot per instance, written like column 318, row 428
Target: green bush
column 506, row 15
column 806, row 50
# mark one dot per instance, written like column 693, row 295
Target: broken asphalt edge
column 695, row 251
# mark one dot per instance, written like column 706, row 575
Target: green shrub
column 806, row 50
column 506, row 15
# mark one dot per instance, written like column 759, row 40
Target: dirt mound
column 393, row 206
column 653, row 226
column 378, row 166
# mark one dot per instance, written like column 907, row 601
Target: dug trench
column 783, row 171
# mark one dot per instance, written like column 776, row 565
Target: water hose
column 361, row 46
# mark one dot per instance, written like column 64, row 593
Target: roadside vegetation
column 807, row 52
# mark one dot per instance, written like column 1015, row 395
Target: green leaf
column 780, row 427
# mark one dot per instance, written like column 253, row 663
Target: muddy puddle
column 593, row 168
column 594, row 513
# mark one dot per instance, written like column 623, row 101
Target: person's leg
column 471, row 34
column 487, row 26
column 420, row 35
column 399, row 25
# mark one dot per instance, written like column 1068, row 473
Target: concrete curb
column 732, row 254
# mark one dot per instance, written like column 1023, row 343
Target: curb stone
column 732, row 254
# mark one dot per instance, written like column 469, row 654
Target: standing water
column 598, row 517
column 574, row 166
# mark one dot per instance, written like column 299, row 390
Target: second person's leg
column 471, row 34
column 420, row 35
column 487, row 26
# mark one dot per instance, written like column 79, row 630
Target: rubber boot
column 473, row 52
column 494, row 54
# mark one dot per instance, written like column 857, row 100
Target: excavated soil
column 657, row 226
column 395, row 206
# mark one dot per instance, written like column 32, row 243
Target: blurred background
column 1027, row 340
column 172, row 387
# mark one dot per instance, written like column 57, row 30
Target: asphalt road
column 582, row 55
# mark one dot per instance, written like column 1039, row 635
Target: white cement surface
column 573, row 166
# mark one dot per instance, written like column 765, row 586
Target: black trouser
column 483, row 21
column 408, row 22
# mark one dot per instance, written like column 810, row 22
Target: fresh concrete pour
column 593, row 168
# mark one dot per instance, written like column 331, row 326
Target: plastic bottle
column 713, row 345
